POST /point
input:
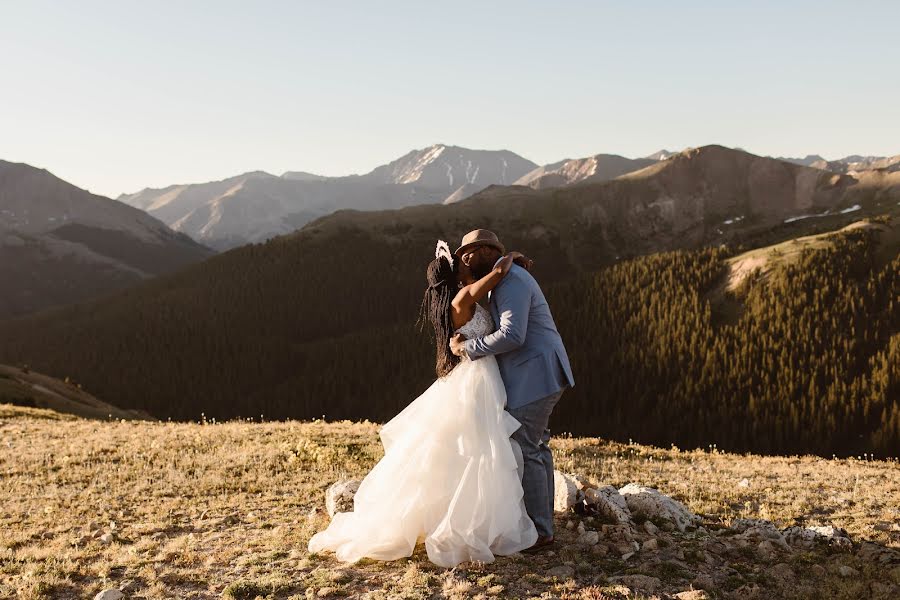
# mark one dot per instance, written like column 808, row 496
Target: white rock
column 339, row 497
column 107, row 538
column 110, row 594
column 650, row 503
column 744, row 483
column 833, row 535
column 610, row 503
column 807, row 537
column 567, row 491
column 800, row 537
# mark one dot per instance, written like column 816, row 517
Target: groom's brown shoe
column 543, row 543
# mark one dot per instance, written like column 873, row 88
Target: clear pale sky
column 116, row 96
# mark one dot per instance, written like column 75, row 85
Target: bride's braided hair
column 436, row 309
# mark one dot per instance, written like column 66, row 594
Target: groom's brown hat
column 480, row 237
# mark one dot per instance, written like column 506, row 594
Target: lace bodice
column 479, row 325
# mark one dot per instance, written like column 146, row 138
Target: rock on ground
column 567, row 491
column 589, row 538
column 652, row 504
column 609, row 502
column 760, row 533
column 808, row 537
column 561, row 572
column 339, row 497
column 110, row 594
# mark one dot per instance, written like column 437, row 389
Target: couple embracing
column 467, row 468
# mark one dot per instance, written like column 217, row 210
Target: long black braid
column 436, row 309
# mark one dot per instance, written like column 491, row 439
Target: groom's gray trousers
column 533, row 438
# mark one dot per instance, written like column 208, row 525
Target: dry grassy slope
column 767, row 258
column 184, row 510
column 761, row 261
column 25, row 388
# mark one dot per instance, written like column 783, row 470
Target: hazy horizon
column 116, row 97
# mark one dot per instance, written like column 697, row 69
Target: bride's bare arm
column 467, row 297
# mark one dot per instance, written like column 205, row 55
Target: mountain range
column 60, row 244
column 256, row 206
column 848, row 164
column 597, row 168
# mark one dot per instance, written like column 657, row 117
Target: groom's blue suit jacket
column 529, row 351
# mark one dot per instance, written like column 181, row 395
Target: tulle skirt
column 448, row 477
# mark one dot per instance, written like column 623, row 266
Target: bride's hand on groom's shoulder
column 515, row 258
column 522, row 260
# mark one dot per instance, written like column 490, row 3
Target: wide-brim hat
column 480, row 237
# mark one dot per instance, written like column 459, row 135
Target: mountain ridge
column 595, row 168
column 255, row 206
column 61, row 244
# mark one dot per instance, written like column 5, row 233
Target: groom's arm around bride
column 528, row 347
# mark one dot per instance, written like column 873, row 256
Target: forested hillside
column 804, row 359
column 811, row 362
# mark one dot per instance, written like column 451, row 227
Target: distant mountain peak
column 809, row 160
column 302, row 176
column 595, row 168
column 411, row 170
column 661, row 155
column 853, row 163
column 444, row 166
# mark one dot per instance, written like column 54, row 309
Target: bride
column 449, row 473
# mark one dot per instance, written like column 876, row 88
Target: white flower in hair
column 443, row 250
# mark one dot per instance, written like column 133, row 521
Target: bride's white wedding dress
column 448, row 476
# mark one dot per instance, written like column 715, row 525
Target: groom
column 533, row 363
